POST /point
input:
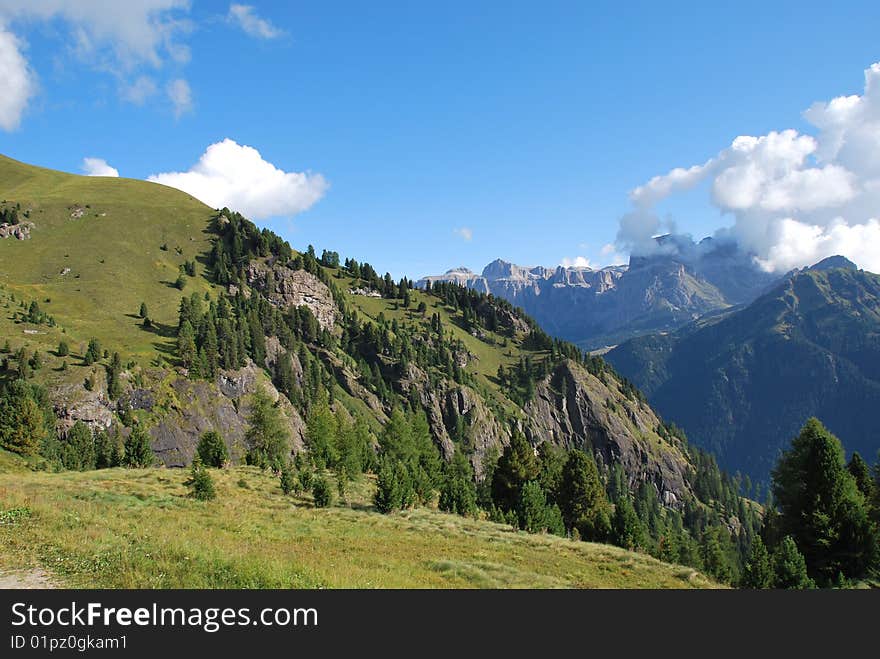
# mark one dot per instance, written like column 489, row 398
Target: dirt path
column 32, row 579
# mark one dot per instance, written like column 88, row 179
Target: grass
column 137, row 529
column 112, row 250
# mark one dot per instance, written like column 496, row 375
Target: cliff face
column 575, row 409
column 183, row 409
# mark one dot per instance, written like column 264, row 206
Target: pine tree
column 517, row 466
column 78, row 448
column 790, row 566
column 582, row 497
column 93, row 352
column 458, row 493
column 393, row 486
column 186, row 345
column 114, row 387
column 320, row 436
column 532, row 508
column 211, row 449
column 713, row 554
column 143, row 313
column 266, row 435
column 138, row 452
column 200, row 483
column 63, row 349
column 25, row 424
column 821, row 507
column 626, row 528
column 861, row 472
column 759, row 572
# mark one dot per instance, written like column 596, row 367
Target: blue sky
column 525, row 124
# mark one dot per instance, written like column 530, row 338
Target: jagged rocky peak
column 501, row 270
column 662, row 288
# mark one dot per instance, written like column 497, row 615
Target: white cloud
column 17, row 81
column 98, row 167
column 246, row 18
column 180, row 95
column 119, row 38
column 794, row 198
column 464, row 233
column 139, row 91
column 234, row 175
column 113, row 35
column 576, row 262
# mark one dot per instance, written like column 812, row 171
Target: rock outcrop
column 574, row 409
column 285, row 287
column 21, row 231
column 197, row 406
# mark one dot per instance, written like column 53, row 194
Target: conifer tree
column 821, row 507
column 211, row 449
column 138, row 452
column 78, row 448
column 200, row 482
column 626, row 528
column 790, row 566
column 759, row 572
column 582, row 497
column 321, row 492
column 288, row 479
column 25, row 424
column 266, row 435
column 516, row 466
column 458, row 493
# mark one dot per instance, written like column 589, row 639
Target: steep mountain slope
column 743, row 382
column 116, row 260
column 401, row 381
column 678, row 283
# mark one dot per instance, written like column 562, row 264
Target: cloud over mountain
column 794, row 198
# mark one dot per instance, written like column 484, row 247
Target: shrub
column 321, row 492
column 288, row 479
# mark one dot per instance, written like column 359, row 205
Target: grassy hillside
column 137, row 529
column 113, row 251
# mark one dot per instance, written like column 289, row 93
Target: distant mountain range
column 742, row 382
column 678, row 283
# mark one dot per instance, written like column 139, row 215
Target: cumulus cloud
column 794, row 198
column 17, row 81
column 576, row 262
column 245, row 17
column 98, row 167
column 237, row 176
column 180, row 95
column 464, row 233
